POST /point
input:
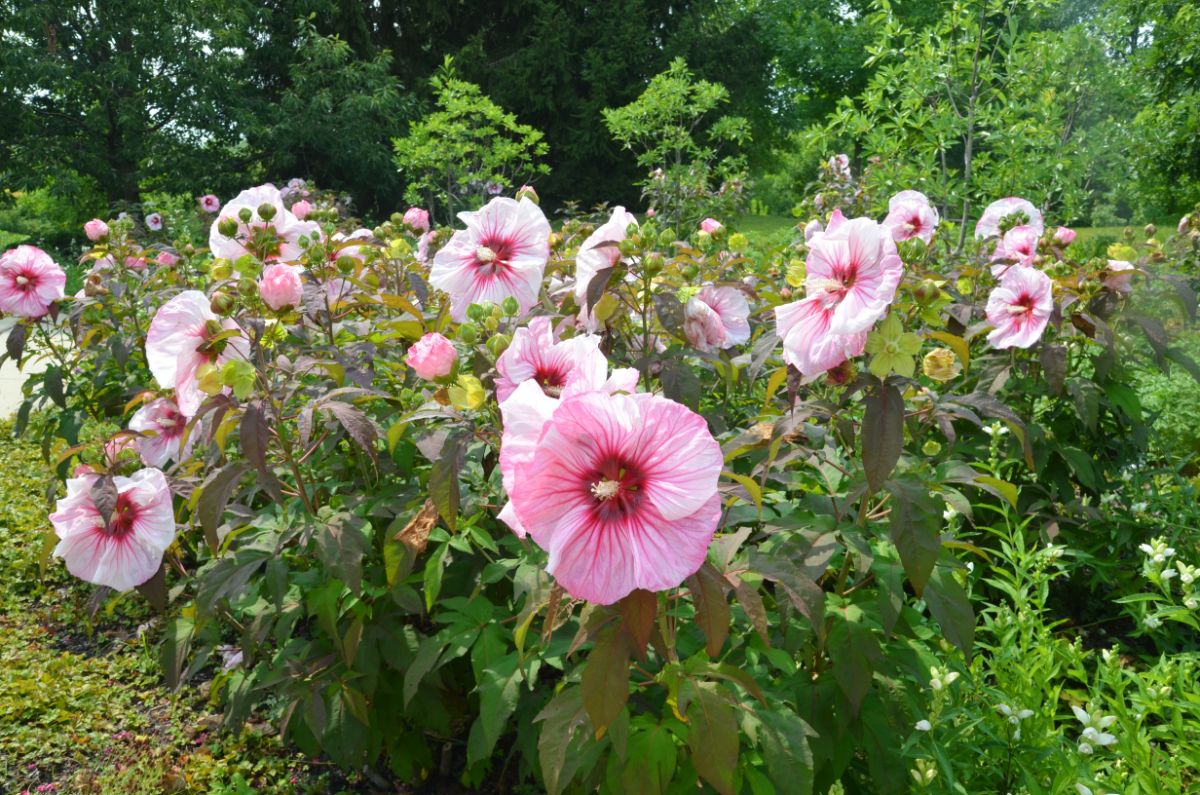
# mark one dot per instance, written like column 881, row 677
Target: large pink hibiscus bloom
column 535, row 354
column 716, row 318
column 997, row 211
column 503, row 252
column 855, row 269
column 164, row 425
column 809, row 342
column 273, row 239
column 621, row 490
column 30, row 282
column 911, row 215
column 129, row 550
column 594, row 257
column 177, row 346
column 1020, row 308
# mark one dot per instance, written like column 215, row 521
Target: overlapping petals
column 177, row 346
column 162, row 427
column 717, row 318
column 30, row 281
column 911, row 215
column 273, row 239
column 1020, row 308
column 989, row 223
column 597, row 253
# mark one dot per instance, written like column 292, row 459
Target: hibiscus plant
column 610, row 507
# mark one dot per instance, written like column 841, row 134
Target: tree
column 469, row 148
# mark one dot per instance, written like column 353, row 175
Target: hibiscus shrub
column 596, row 508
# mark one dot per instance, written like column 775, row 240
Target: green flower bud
column 227, row 226
column 266, row 211
column 479, row 312
column 926, row 292
column 666, row 237
column 246, row 215
column 510, row 306
column 653, row 263
column 468, row 333
column 627, row 248
column 690, row 272
column 497, row 344
column 221, row 302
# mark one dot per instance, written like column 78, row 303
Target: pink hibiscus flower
column 594, row 257
column 1119, row 276
column 164, row 425
column 342, row 245
column 855, row 268
column 432, row 356
column 271, row 238
column 154, row 222
column 1064, row 236
column 503, row 252
column 716, row 318
column 1019, row 245
column 997, row 211
column 209, row 203
column 911, row 215
column 809, row 343
column 621, row 490
column 177, row 346
column 30, row 282
column 129, row 550
column 535, row 354
column 1020, row 308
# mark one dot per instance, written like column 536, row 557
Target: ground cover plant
column 625, row 507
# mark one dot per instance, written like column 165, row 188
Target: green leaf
column 341, row 543
column 443, row 476
column 915, row 528
column 605, row 680
column 950, row 607
column 498, row 691
column 652, row 756
column 560, row 718
column 176, row 643
column 882, row 433
column 852, row 648
column 784, row 742
column 805, row 595
column 713, row 737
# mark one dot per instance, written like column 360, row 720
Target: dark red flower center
column 492, row 255
column 26, row 281
column 123, row 517
column 550, row 379
column 617, row 488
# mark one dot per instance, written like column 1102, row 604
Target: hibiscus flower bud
column 221, row 302
column 510, row 306
column 281, row 287
column 653, row 263
column 227, row 227
column 738, row 242
column 95, row 229
column 627, row 248
column 931, row 448
column 300, row 209
column 711, row 225
column 468, row 333
column 527, row 192
column 220, row 269
column 431, row 357
column 704, row 239
column 690, row 272
column 927, row 292
column 245, row 214
column 498, row 344
column 416, row 219
column 266, row 211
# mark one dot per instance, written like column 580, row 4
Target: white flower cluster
column 1093, row 735
column 940, row 678
column 1014, row 717
column 1160, row 569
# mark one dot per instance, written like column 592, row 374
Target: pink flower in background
column 840, row 166
column 301, row 209
column 30, row 281
column 594, row 256
column 423, row 247
column 911, row 215
column 165, row 424
column 812, row 229
column 716, row 318
column 338, row 290
column 535, row 354
column 154, row 222
column 209, row 203
column 621, row 490
column 432, row 356
column 1064, row 236
column 1020, row 308
column 809, row 343
column 855, row 269
column 115, row 446
column 997, row 211
column 503, row 252
column 128, row 551
column 342, row 245
column 1019, row 245
column 1184, row 223
column 416, row 219
column 95, row 229
column 166, row 259
column 710, row 225
column 275, row 238
column 177, row 346
column 1119, row 276
column 135, row 263
column 651, row 212
column 281, row 287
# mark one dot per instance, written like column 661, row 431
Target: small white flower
column 923, row 726
column 1025, row 713
column 1190, row 603
column 1082, row 790
column 1167, row 574
column 1152, row 622
column 935, row 683
column 1085, row 749
column 950, row 677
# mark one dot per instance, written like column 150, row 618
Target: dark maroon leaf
column 679, row 383
column 670, row 312
column 357, row 425
column 914, row 526
column 639, row 610
column 605, row 680
column 595, row 288
column 882, row 433
column 255, row 435
column 155, row 590
column 443, row 476
column 15, row 342
column 104, row 495
column 708, row 589
column 214, row 496
column 805, row 595
column 713, row 737
column 1054, row 365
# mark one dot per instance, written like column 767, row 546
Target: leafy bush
column 467, row 150
column 606, row 508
